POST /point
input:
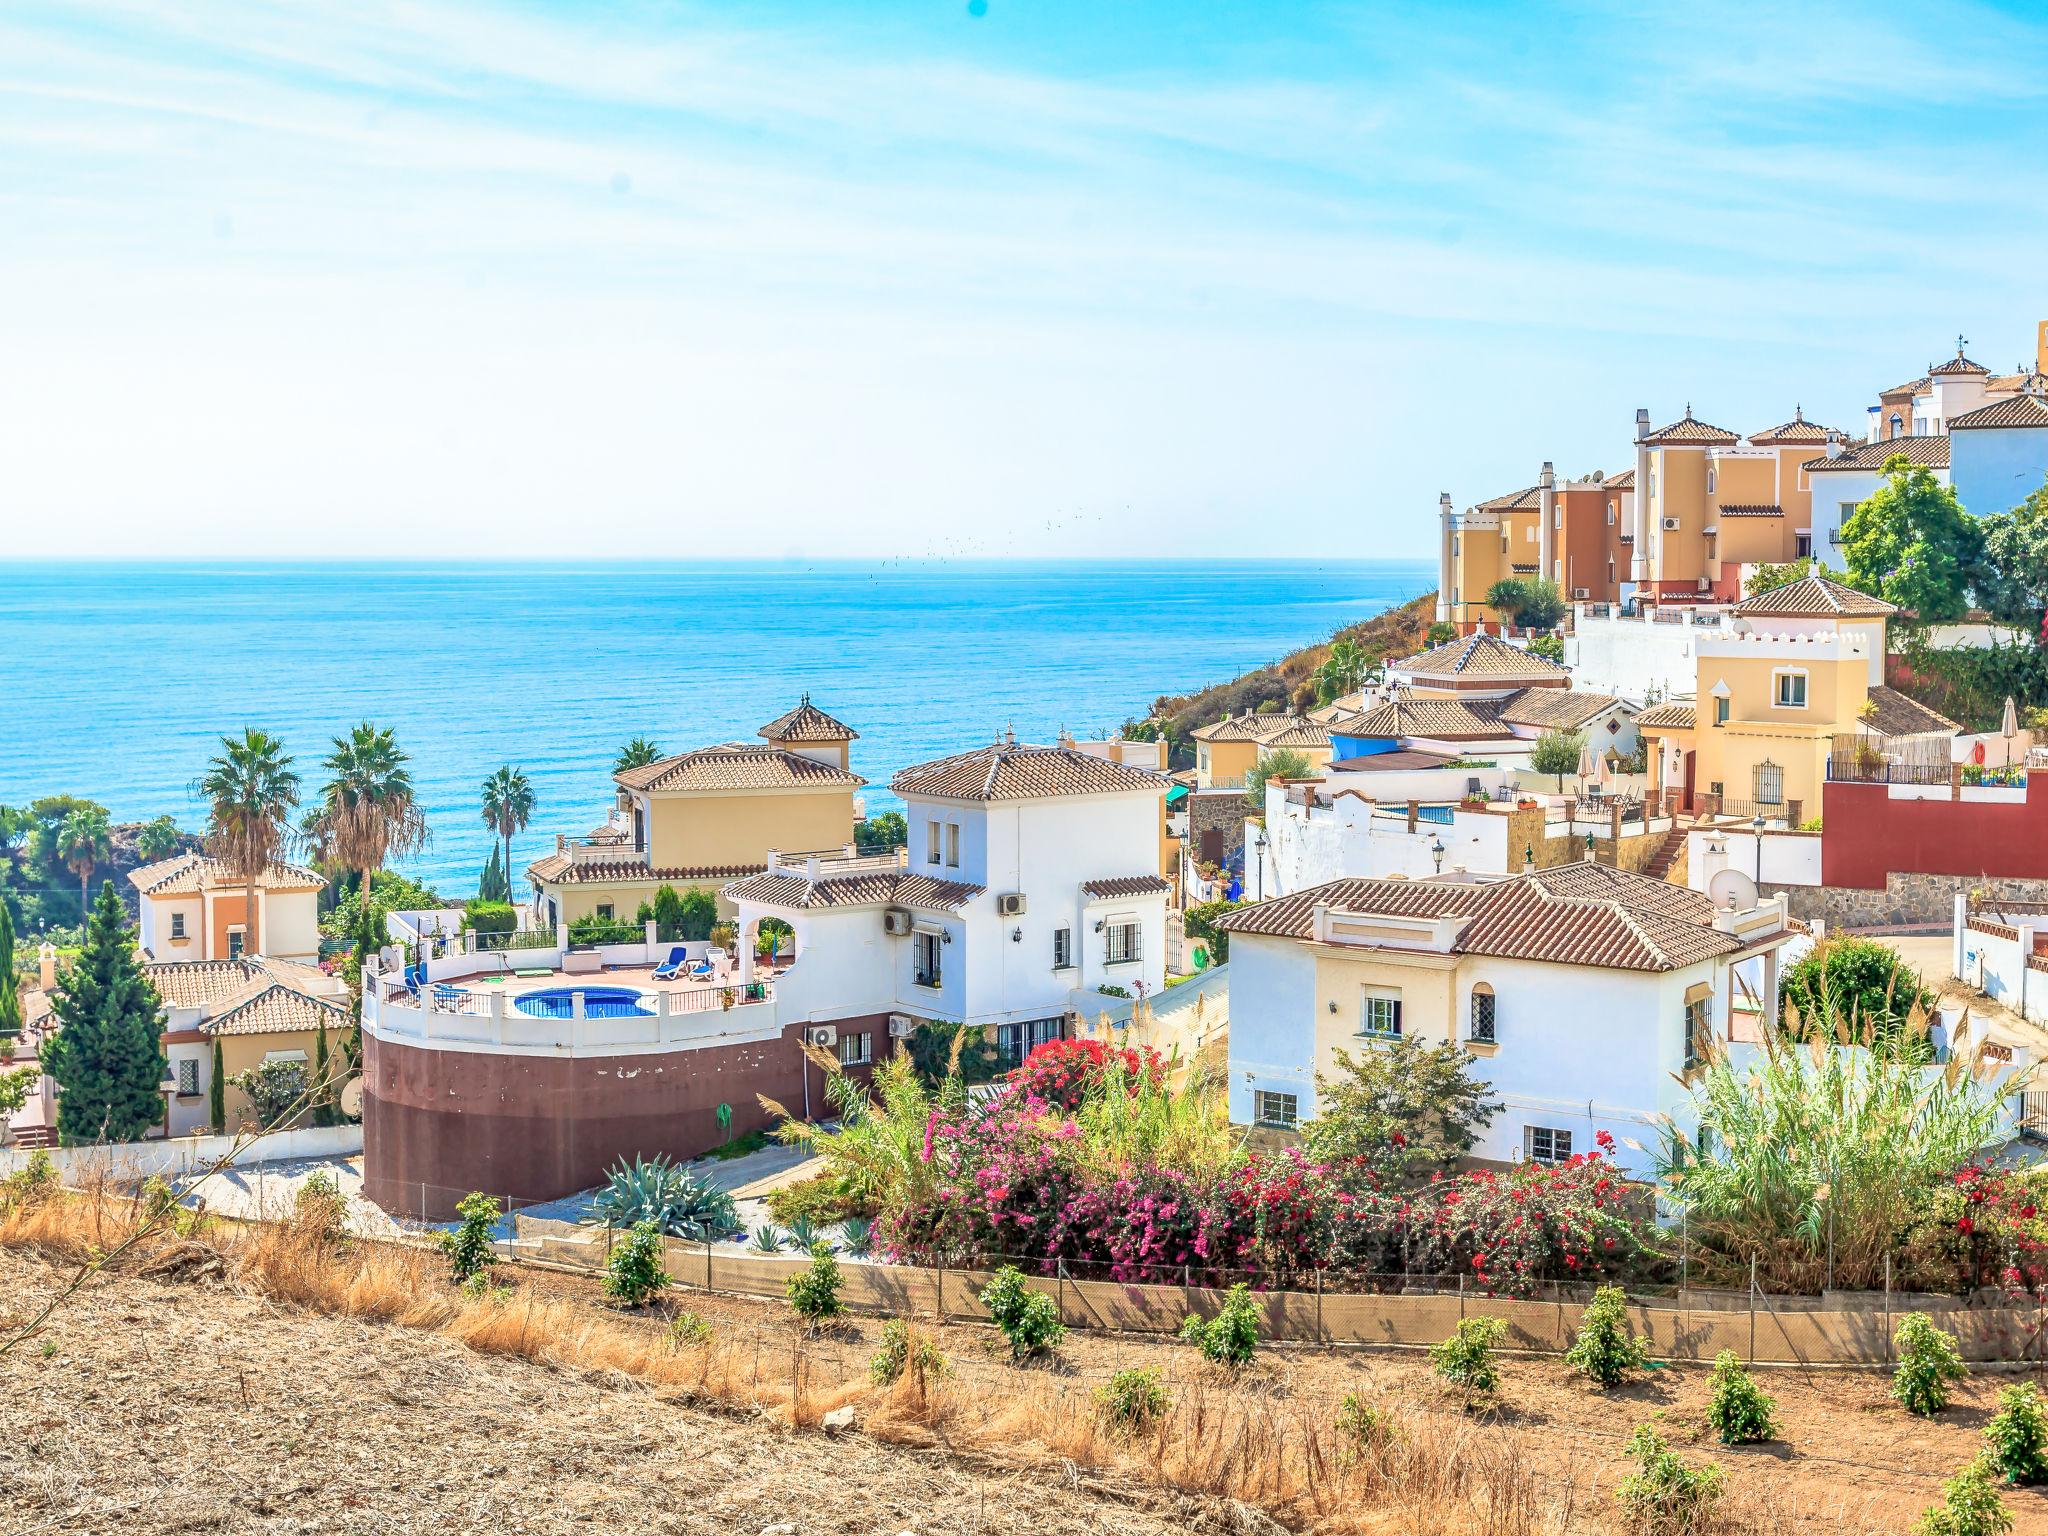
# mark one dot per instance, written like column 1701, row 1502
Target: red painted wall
column 1865, row 833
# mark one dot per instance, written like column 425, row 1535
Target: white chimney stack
column 1546, row 518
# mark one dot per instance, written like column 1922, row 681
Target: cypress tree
column 10, row 989
column 217, row 1091
column 106, row 1056
column 494, row 886
column 322, row 1114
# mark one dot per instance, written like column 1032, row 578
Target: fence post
column 1752, row 1310
column 707, row 1266
column 939, row 1291
column 1322, row 1334
column 1887, row 1309
column 1461, row 1296
column 1062, row 1263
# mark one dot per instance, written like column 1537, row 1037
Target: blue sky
column 1006, row 279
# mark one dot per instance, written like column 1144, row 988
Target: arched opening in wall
column 770, row 942
column 1480, row 1015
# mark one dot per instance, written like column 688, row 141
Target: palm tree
column 84, row 842
column 250, row 790
column 508, row 807
column 1341, row 672
column 368, row 812
column 637, row 753
column 156, row 839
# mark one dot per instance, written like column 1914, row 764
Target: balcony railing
column 1862, row 768
column 836, row 863
column 601, row 850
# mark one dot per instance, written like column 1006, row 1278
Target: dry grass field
column 258, row 1379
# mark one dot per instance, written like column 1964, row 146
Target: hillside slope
column 1289, row 682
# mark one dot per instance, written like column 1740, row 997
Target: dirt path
column 152, row 1408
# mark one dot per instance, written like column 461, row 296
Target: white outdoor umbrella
column 2009, row 727
column 1589, row 762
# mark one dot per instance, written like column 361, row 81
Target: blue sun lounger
column 672, row 967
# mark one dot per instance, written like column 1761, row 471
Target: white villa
column 191, row 908
column 1585, row 995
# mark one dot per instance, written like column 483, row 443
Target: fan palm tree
column 250, row 790
column 368, row 811
column 84, row 842
column 156, row 839
column 637, row 753
column 508, row 807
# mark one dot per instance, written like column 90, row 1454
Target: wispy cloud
column 418, row 271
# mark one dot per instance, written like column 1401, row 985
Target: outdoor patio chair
column 678, row 957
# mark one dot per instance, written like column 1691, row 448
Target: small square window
column 856, row 1050
column 1281, row 1110
column 1791, row 690
column 177, row 925
column 1120, row 944
column 1381, row 1016
column 604, row 910
column 1546, row 1144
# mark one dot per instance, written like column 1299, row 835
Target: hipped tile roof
column 1893, row 713
column 276, row 1010
column 1481, row 656
column 1688, row 432
column 736, row 765
column 1797, row 430
column 1924, row 452
column 1677, row 715
column 1814, row 597
column 1434, row 719
column 807, row 722
column 1560, row 709
column 883, row 888
column 188, row 874
column 2019, row 411
column 1013, row 771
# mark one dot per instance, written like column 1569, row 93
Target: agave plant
column 857, row 1236
column 668, row 1195
column 766, row 1240
column 804, row 1235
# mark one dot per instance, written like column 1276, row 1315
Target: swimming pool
column 598, row 1003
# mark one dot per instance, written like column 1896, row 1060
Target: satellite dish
column 1732, row 889
column 352, row 1098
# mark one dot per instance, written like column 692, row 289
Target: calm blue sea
column 119, row 678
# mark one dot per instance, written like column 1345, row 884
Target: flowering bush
column 1993, row 1230
column 1060, row 1072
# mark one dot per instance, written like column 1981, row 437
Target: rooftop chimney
column 46, row 966
column 1834, row 443
column 1546, row 518
column 1642, row 423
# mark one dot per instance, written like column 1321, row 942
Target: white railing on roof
column 836, row 863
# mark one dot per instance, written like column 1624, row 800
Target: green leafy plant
column 1970, row 1505
column 1132, row 1400
column 2016, row 1439
column 1740, row 1411
column 857, row 1236
column 814, row 1290
column 804, row 1234
column 1364, row 1429
column 766, row 1240
column 1557, row 753
column 1928, row 1362
column 1232, row 1335
column 1029, row 1319
column 686, row 1330
column 1465, row 1359
column 1665, row 1496
column 905, row 1348
column 1607, row 1350
column 1407, row 1109
column 468, row 1246
column 32, row 1183
column 636, row 1272
column 1859, row 992
column 670, row 1196
column 319, row 1208
column 278, row 1091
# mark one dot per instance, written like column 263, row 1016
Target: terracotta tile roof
column 1436, row 719
column 1400, row 760
column 1814, row 597
column 276, row 1010
column 1514, row 501
column 1749, row 509
column 1797, row 430
column 2031, row 382
column 1337, row 709
column 1625, row 481
column 880, row 888
column 187, row 874
column 1013, row 771
column 1128, row 885
column 1956, row 366
column 1677, row 715
column 605, row 832
column 1298, row 732
column 1576, row 915
column 1481, row 656
column 807, row 722
column 1561, row 709
column 1928, row 452
column 736, row 765
column 560, row 869
column 212, row 984
column 1912, row 387
column 1525, row 570
column 1229, row 728
column 2019, row 411
column 1896, row 714
column 1688, row 431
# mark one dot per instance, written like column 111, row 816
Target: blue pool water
column 598, row 1003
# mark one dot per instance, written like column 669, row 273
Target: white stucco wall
column 1633, row 658
column 1348, row 840
column 1788, row 858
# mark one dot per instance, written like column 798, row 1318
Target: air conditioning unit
column 1671, row 525
column 896, row 920
column 1580, row 594
column 901, row 1026
column 1010, row 904
column 822, row 1034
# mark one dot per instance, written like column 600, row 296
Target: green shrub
column 636, row 1272
column 1230, row 1337
column 1029, row 1319
column 1606, row 1349
column 2016, row 1439
column 1132, row 1400
column 319, row 1208
column 1363, row 1428
column 1969, row 1506
column 1740, row 1411
column 34, row 1182
column 1928, row 1362
column 688, row 1331
column 804, row 1234
column 857, row 1236
column 469, row 1246
column 905, row 1348
column 1466, row 1357
column 481, row 1287
column 814, row 1290
column 1664, row 1496
column 492, row 918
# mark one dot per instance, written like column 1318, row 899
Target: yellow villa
column 1803, row 665
column 1229, row 749
column 705, row 818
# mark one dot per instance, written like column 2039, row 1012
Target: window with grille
column 925, row 952
column 177, row 925
column 188, row 1077
column 856, row 1050
column 1380, row 1015
column 1275, row 1109
column 1769, row 783
column 1062, row 948
column 1699, row 1031
column 1546, row 1144
column 1482, row 1014
column 1016, row 1041
column 1120, row 943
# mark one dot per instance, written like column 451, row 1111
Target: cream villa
column 256, row 1010
column 1229, row 749
column 1585, row 995
column 705, row 817
column 193, row 908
